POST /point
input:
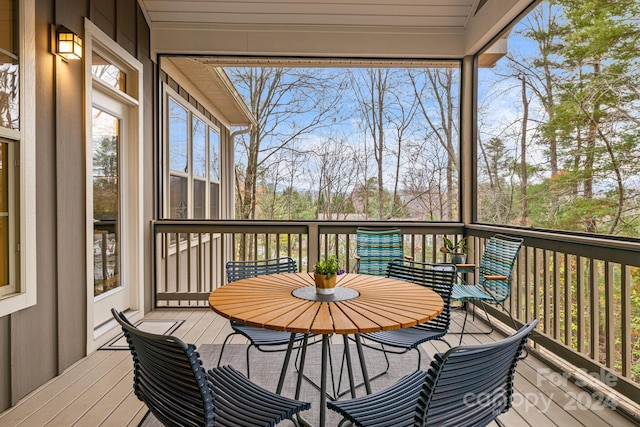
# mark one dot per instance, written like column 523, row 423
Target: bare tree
column 436, row 92
column 387, row 112
column 424, row 184
column 287, row 103
column 334, row 170
column 523, row 152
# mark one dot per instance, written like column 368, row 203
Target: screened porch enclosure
column 519, row 153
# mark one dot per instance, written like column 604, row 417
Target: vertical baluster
column 167, row 240
column 528, row 282
column 325, row 252
column 556, row 296
column 289, row 248
column 347, row 262
column 536, row 286
column 200, row 273
column 233, row 247
column 609, row 307
column 521, row 284
column 219, row 279
column 300, row 246
column 625, row 320
column 177, row 262
column 189, row 266
column 594, row 309
column 257, row 238
column 568, row 301
column 580, row 300
column 267, row 246
column 412, row 242
column 546, row 289
column 313, row 245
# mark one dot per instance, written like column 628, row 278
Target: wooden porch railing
column 579, row 287
column 190, row 255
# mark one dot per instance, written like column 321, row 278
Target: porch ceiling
column 321, row 28
column 357, row 13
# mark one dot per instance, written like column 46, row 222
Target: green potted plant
column 324, row 274
column 458, row 250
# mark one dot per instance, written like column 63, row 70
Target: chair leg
column 524, row 353
column 444, row 341
column 335, row 394
column 248, row 348
column 386, row 358
column 142, row 421
column 464, row 323
column 378, row 375
column 488, row 320
column 513, row 322
column 223, row 345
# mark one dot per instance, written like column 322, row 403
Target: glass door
column 109, row 288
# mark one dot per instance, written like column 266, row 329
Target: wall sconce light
column 67, row 44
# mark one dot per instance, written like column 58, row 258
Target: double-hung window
column 193, row 151
column 17, row 155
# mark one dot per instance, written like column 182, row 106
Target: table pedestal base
column 323, row 371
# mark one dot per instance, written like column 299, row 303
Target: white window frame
column 132, row 244
column 26, row 295
column 192, row 113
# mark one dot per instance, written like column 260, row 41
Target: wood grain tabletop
column 382, row 304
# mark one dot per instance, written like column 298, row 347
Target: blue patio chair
column 437, row 277
column 376, row 248
column 466, row 386
column 264, row 340
column 170, row 379
column 493, row 276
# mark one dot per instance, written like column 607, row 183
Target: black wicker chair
column 262, row 339
column 170, row 379
column 437, row 277
column 466, row 386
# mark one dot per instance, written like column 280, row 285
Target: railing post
column 313, row 243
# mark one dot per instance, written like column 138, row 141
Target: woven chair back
column 376, row 249
column 169, row 377
column 437, row 277
column 471, row 385
column 237, row 270
column 498, row 259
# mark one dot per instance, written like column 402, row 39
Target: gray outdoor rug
column 265, row 371
column 160, row 327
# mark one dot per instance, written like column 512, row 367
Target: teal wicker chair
column 376, row 248
column 168, row 376
column 493, row 276
column 468, row 386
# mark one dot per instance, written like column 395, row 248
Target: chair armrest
column 465, row 265
column 357, row 257
column 408, row 257
column 495, row 277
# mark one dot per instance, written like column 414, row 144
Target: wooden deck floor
column 97, row 390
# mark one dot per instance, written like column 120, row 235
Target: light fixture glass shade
column 69, row 44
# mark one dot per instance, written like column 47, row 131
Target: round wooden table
column 361, row 304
